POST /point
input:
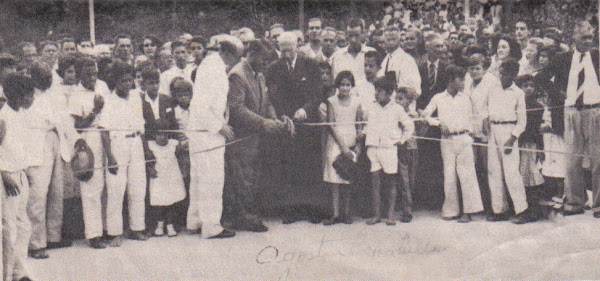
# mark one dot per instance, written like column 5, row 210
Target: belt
column 458, row 133
column 586, row 106
column 503, row 122
column 133, row 135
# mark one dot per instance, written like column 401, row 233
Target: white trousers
column 503, row 171
column 207, row 173
column 458, row 159
column 130, row 177
column 40, row 179
column 16, row 231
column 91, row 190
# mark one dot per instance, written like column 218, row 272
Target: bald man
column 294, row 87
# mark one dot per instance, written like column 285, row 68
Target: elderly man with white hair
column 208, row 122
column 295, row 88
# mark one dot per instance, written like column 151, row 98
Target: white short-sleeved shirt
column 123, row 115
column 13, row 156
column 342, row 60
column 383, row 125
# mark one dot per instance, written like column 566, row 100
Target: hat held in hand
column 83, row 161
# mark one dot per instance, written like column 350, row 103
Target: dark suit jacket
column 427, row 92
column 559, row 69
column 290, row 91
column 249, row 104
column 165, row 111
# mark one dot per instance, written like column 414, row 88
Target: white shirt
column 183, row 117
column 508, row 105
column 167, row 77
column 405, row 67
column 454, row 112
column 40, row 118
column 342, row 60
column 13, row 156
column 123, row 115
column 208, row 107
column 365, row 92
column 82, row 102
column 383, row 129
column 590, row 88
column 479, row 98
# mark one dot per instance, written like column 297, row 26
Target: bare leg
column 376, row 181
column 335, row 194
column 393, row 194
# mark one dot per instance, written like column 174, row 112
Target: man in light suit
column 208, row 116
column 576, row 86
column 251, row 115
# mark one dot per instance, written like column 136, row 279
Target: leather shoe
column 39, row 254
column 224, row 234
column 571, row 213
column 138, row 235
column 497, row 217
column 523, row 218
column 406, row 218
column 59, row 244
column 97, row 243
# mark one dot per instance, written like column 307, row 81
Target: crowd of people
column 200, row 133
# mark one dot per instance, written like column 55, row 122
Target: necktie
column 431, row 75
column 387, row 64
column 580, row 80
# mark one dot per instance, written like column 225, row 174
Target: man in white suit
column 208, row 121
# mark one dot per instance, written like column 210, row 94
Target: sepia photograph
column 299, row 140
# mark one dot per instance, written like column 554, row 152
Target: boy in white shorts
column 383, row 134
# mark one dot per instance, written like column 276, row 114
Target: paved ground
column 426, row 249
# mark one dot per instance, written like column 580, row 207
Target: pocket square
column 303, row 79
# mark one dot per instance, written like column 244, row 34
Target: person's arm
column 85, row 121
column 408, row 126
column 429, row 110
column 112, row 162
column 334, row 133
column 240, row 114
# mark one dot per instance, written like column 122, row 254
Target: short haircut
column 408, row 93
column 16, row 86
column 549, row 50
column 511, row 66
column 64, row 62
column 179, row 84
column 344, row 75
column 276, row 25
column 7, row 60
column 150, row 73
column 526, row 22
column 41, row 74
column 152, row 39
column 228, row 47
column 374, row 55
column 453, row 72
column 176, row 44
column 121, row 36
column 22, row 46
column 386, row 82
column 328, row 30
column 521, row 80
column 117, row 72
column 82, row 63
column 476, row 59
column 475, row 49
column 43, row 44
column 288, row 37
column 316, row 19
column 198, row 39
column 325, row 65
column 257, row 46
column 67, row 39
column 357, row 22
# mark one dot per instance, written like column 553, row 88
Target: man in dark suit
column 294, row 85
column 251, row 116
column 433, row 81
column 576, row 87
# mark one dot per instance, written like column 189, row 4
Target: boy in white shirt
column 507, row 117
column 454, row 110
column 124, row 150
column 14, row 160
column 383, row 134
